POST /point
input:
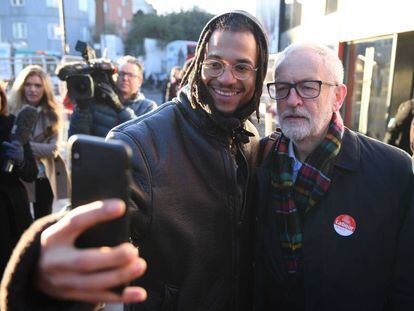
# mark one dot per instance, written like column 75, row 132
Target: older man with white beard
column 334, row 206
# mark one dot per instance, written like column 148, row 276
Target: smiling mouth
column 225, row 93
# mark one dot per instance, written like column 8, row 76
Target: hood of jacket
column 232, row 124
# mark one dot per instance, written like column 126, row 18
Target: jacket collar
column 201, row 119
column 349, row 157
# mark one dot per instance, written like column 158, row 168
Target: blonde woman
column 34, row 87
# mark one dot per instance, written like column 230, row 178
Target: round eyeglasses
column 307, row 89
column 240, row 71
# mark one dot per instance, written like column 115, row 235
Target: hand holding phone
column 97, row 275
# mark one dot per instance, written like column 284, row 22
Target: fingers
column 66, row 272
column 100, row 281
column 98, row 259
column 134, row 294
column 17, row 143
column 6, row 144
column 81, row 218
column 131, row 294
column 58, row 277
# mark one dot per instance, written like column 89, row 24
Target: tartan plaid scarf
column 292, row 201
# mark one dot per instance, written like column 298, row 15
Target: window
column 291, row 13
column 123, row 3
column 331, row 6
column 369, row 63
column 124, row 23
column 119, row 12
column 83, row 5
column 53, row 32
column 105, row 7
column 19, row 30
column 17, row 2
column 52, row 3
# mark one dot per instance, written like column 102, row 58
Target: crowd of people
column 313, row 217
column 34, row 174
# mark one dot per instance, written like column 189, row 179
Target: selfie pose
column 193, row 161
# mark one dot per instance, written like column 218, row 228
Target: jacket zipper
column 236, row 218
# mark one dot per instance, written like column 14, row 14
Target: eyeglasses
column 127, row 74
column 240, row 71
column 306, row 89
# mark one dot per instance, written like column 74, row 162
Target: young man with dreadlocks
column 336, row 211
column 193, row 159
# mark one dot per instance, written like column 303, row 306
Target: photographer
column 97, row 118
column 92, row 88
column 128, row 84
column 15, row 210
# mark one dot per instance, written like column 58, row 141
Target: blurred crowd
column 34, row 171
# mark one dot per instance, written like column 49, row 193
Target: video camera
column 83, row 78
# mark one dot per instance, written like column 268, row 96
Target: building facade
column 31, row 26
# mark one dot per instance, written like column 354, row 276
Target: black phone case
column 100, row 170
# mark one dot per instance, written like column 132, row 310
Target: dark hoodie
column 192, row 215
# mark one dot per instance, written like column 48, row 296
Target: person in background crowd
column 173, row 84
column 130, row 78
column 125, row 103
column 399, row 128
column 335, row 207
column 193, row 160
column 15, row 214
column 34, row 87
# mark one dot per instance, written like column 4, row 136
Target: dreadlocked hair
column 234, row 22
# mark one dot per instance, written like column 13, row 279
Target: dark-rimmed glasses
column 241, row 71
column 306, row 89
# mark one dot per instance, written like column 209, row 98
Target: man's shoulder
column 377, row 150
column 375, row 143
column 162, row 115
column 142, row 100
column 141, row 105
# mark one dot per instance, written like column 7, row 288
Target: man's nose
column 294, row 99
column 227, row 76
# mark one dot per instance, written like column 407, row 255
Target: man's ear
column 340, row 93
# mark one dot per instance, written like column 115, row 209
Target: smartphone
column 100, row 169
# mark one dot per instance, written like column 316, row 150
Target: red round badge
column 344, row 225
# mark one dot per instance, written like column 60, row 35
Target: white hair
column 333, row 65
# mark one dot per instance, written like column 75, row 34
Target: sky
column 211, row 6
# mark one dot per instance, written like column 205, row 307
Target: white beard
column 305, row 127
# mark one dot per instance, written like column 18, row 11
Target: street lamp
column 62, row 27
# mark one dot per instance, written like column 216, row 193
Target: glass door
column 369, row 80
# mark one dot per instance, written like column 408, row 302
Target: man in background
column 130, row 78
column 126, row 102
